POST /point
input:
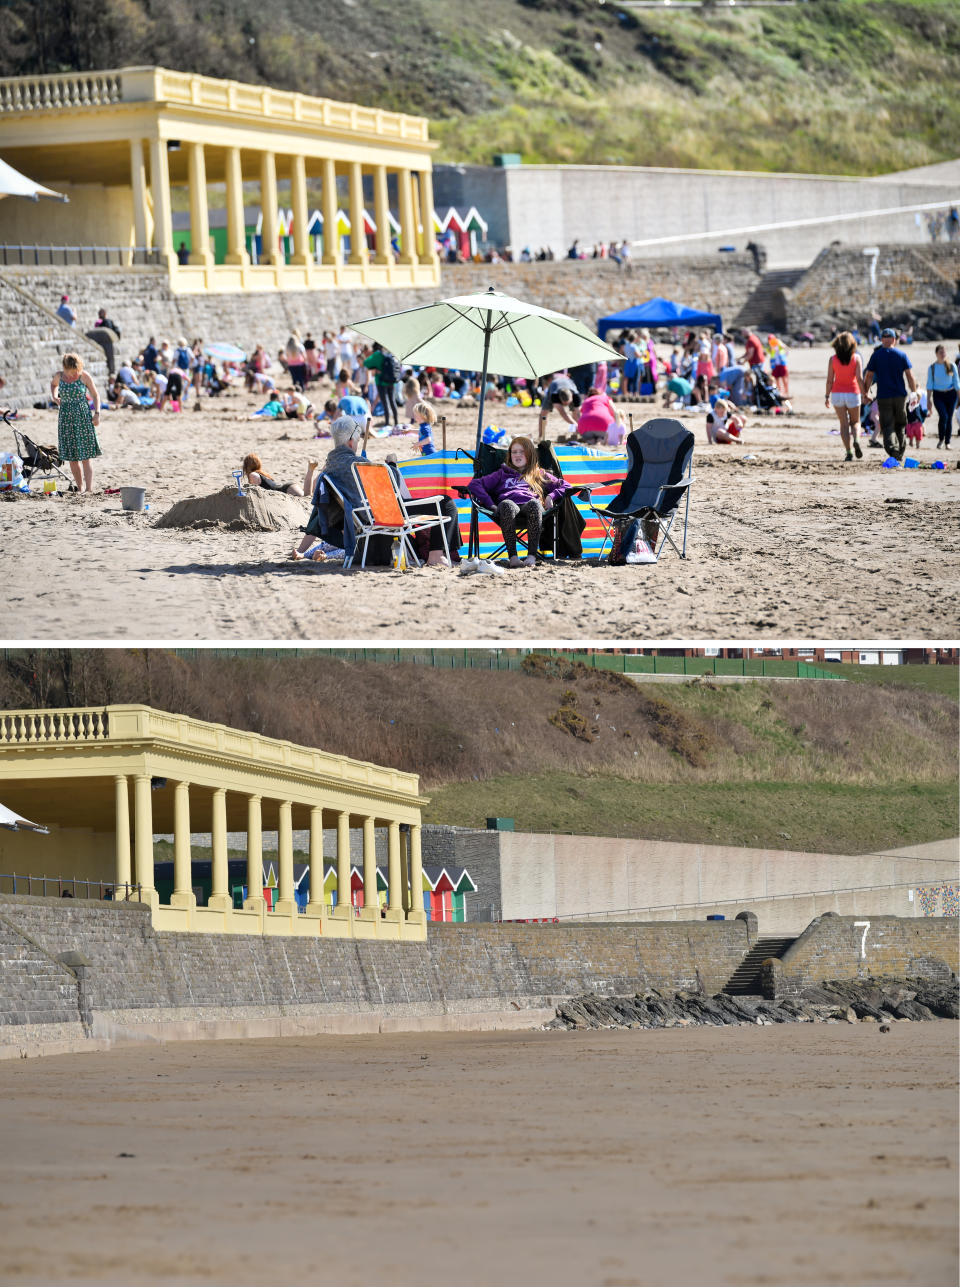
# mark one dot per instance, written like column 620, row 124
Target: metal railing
column 73, row 256
column 747, row 902
column 514, row 659
column 33, row 728
column 107, row 891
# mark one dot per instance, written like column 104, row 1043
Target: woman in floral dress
column 77, row 428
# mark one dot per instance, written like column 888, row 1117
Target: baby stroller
column 766, row 397
column 38, row 461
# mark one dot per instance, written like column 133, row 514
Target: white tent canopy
column 13, row 822
column 15, row 184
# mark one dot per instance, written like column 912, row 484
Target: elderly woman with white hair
column 347, row 434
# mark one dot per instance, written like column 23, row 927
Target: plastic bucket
column 133, row 497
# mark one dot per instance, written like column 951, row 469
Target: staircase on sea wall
column 766, row 308
column 33, row 341
column 745, row 980
column 34, row 989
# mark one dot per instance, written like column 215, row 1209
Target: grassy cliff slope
column 808, row 764
column 834, row 86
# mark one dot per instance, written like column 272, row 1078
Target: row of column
column 404, row 857
column 415, row 190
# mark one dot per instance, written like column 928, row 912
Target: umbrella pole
column 474, row 550
column 443, row 430
column 483, row 377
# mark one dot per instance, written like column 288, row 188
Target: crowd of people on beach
column 348, row 389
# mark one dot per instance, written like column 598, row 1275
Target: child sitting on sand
column 297, row 405
column 519, row 493
column 725, row 424
column 272, row 409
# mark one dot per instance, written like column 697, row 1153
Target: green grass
column 835, row 86
column 935, row 679
column 815, row 817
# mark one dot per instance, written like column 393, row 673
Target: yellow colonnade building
column 106, row 780
column 115, row 142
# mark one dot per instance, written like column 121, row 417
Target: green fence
column 513, row 659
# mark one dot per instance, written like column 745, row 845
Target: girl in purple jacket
column 519, row 493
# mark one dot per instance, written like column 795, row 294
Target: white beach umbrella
column 487, row 332
column 13, row 822
column 15, row 184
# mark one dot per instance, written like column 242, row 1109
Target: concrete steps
column 745, row 980
column 765, row 308
column 33, row 988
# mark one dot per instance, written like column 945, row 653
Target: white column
column 270, row 253
column 183, row 895
column 371, row 900
column 408, row 228
column 254, row 899
column 426, row 213
column 298, row 200
column 143, row 838
column 416, row 913
column 236, row 231
column 343, row 909
column 160, row 188
column 328, row 201
column 316, row 903
column 138, row 183
column 285, row 901
column 199, row 218
column 122, row 801
column 394, row 877
column 358, row 234
column 220, row 895
column 381, row 212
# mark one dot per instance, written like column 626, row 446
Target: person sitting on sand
column 519, row 493
column 257, row 476
column 344, row 385
column 296, row 404
column 354, row 405
column 724, row 422
column 596, row 416
column 272, row 409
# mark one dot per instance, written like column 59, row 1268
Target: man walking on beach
column 890, row 367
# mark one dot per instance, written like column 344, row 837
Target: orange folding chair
column 385, row 513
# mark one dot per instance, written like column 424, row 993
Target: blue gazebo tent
column 658, row 312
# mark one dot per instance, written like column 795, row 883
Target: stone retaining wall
column 838, row 283
column 844, row 947
column 195, row 985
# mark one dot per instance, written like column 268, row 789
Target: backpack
column 390, row 369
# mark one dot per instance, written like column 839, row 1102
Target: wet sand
column 791, row 544
column 786, row 1155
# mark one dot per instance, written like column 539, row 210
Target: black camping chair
column 659, row 477
column 38, row 462
column 562, row 523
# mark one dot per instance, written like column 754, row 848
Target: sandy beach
column 791, row 543
column 784, row 1155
